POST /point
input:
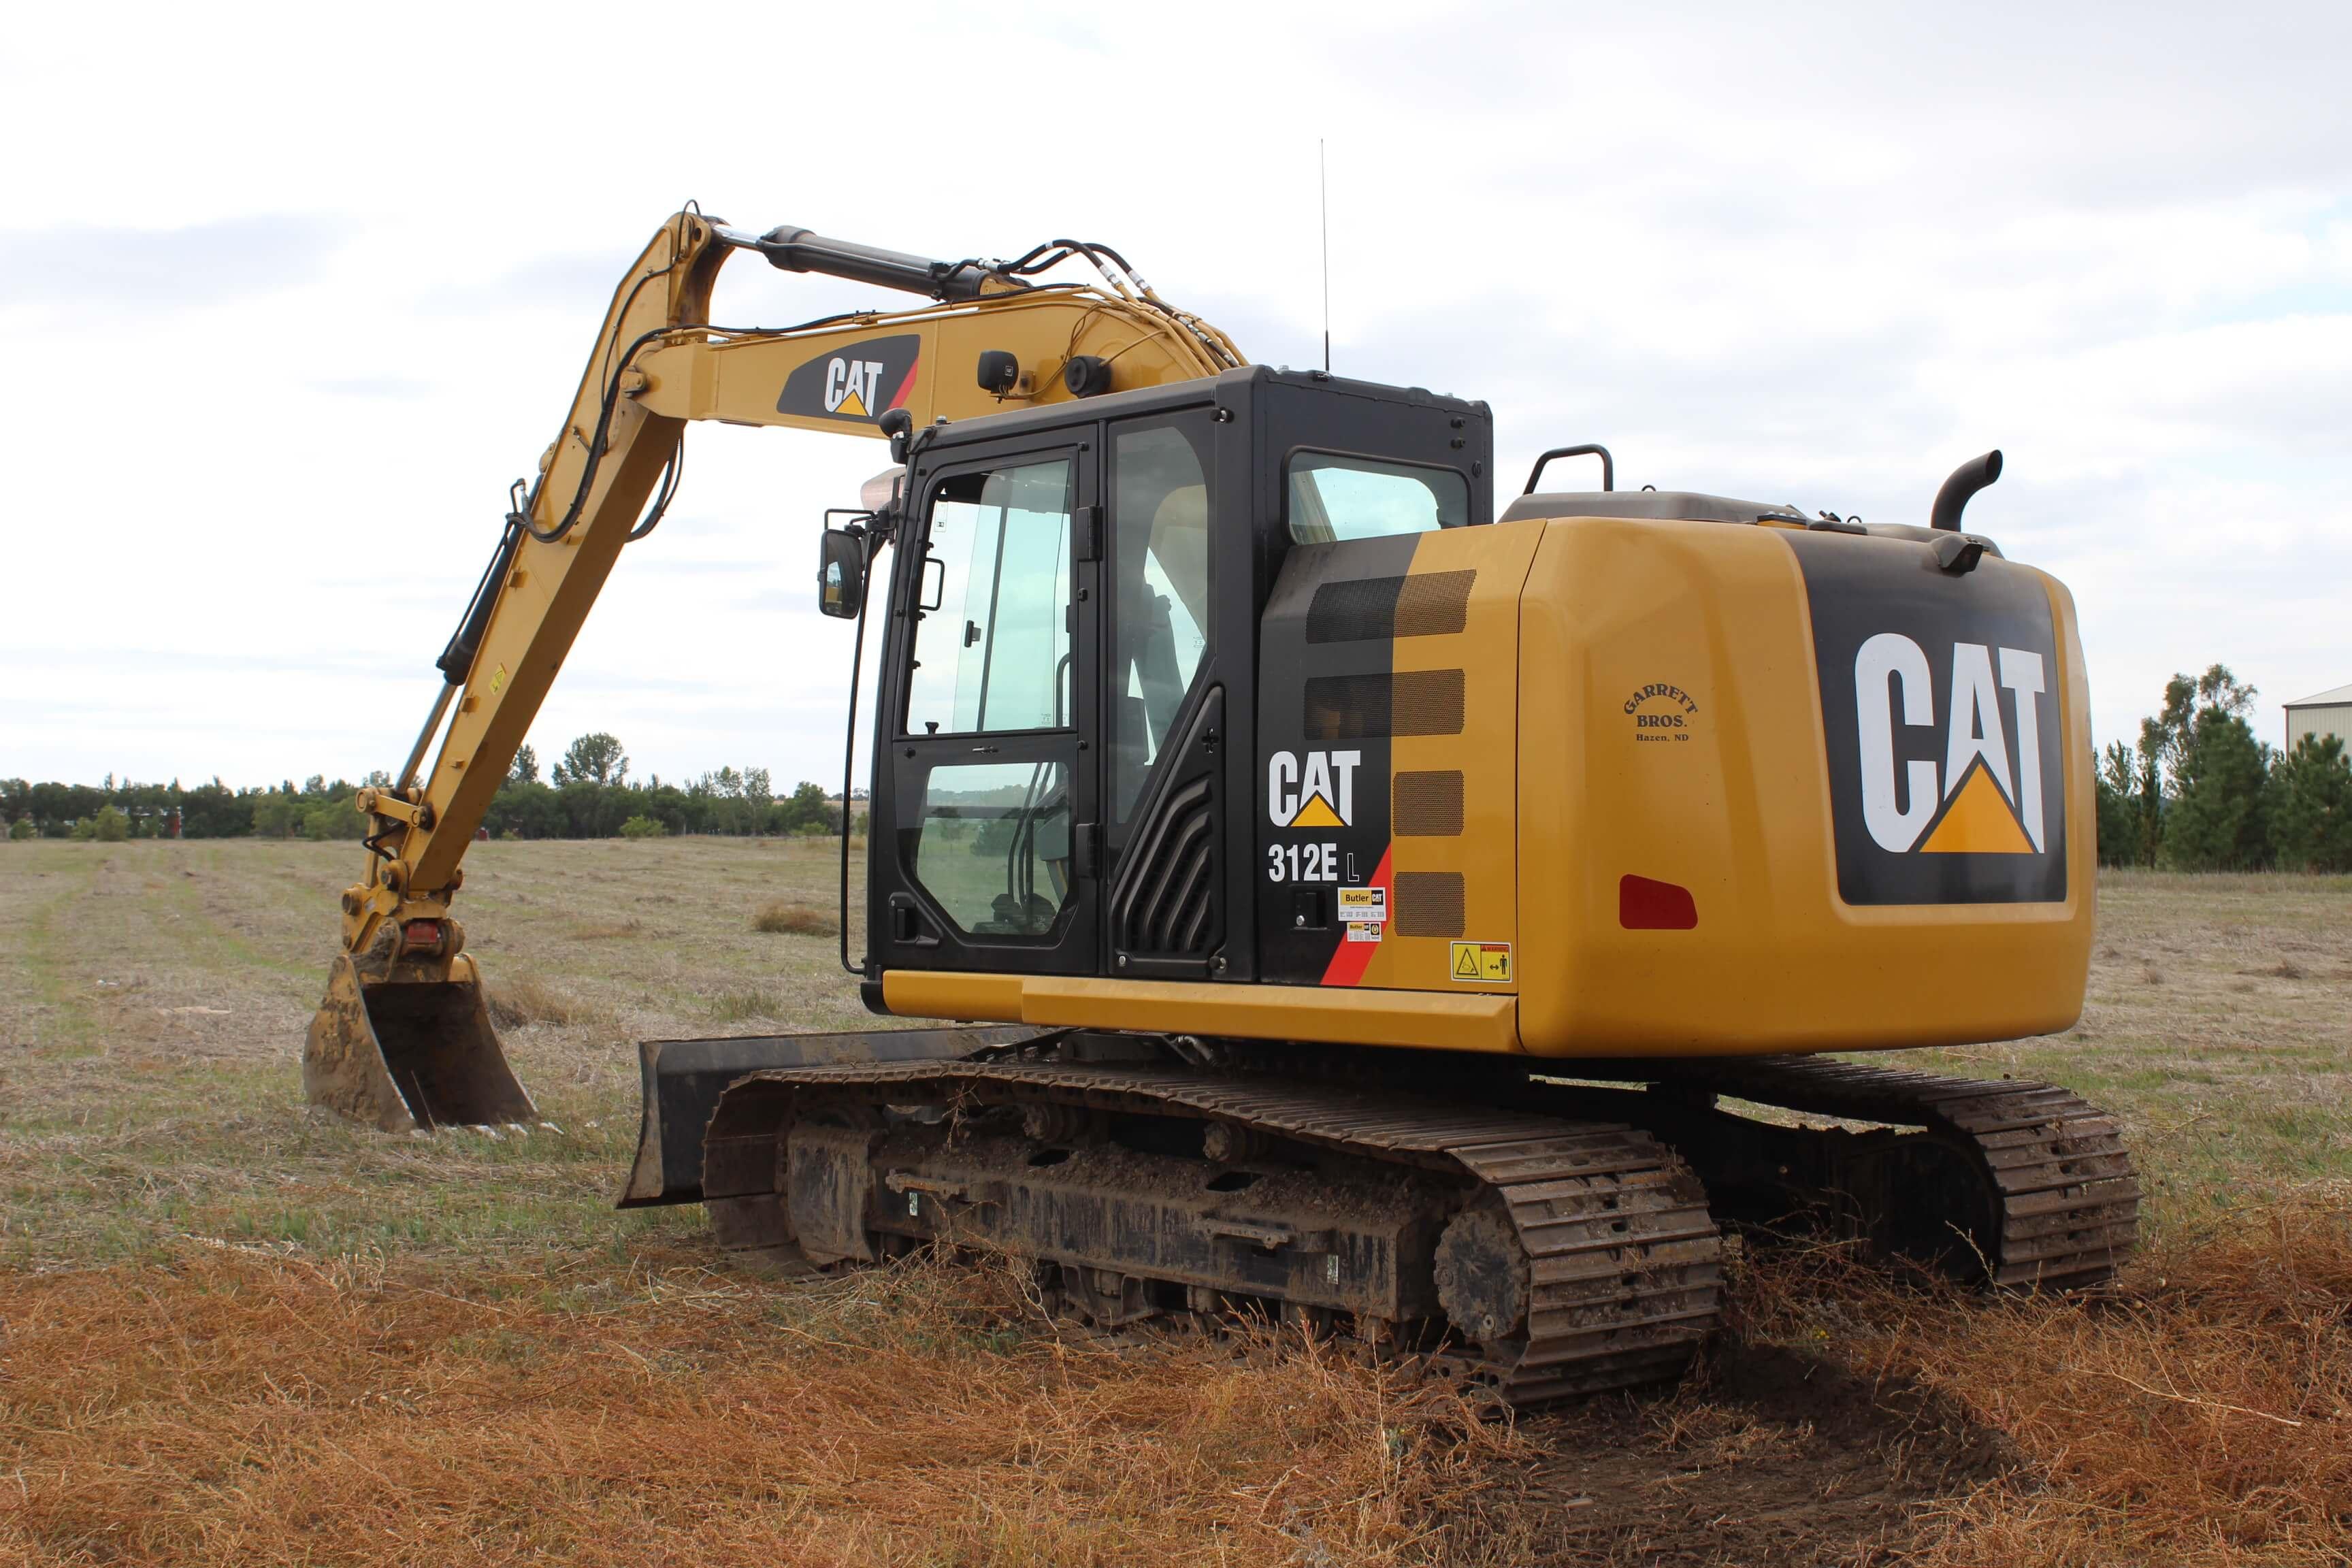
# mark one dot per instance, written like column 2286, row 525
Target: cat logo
column 1319, row 793
column 860, row 382
column 850, row 385
column 1947, row 757
column 1986, row 805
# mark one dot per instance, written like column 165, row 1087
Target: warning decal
column 1484, row 962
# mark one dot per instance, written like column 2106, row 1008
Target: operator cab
column 1075, row 661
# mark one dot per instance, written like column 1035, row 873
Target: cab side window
column 1332, row 497
column 1159, row 566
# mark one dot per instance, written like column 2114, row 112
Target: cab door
column 988, row 843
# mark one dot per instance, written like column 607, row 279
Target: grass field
column 232, row 1331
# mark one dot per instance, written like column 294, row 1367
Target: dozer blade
column 408, row 1054
column 683, row 1078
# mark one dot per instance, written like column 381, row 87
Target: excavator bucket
column 410, row 1054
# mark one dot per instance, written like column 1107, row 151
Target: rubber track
column 1625, row 1261
column 2069, row 1198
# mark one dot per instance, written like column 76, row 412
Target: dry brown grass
column 2199, row 1415
column 514, row 1370
column 794, row 920
column 238, row 1408
column 517, row 1000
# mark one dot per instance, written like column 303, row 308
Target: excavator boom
column 402, row 1039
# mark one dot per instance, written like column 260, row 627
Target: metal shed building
column 2329, row 713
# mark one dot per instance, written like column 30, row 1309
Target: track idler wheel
column 1482, row 1275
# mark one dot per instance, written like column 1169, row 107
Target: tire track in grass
column 28, row 935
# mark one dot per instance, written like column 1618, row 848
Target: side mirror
column 841, row 573
column 898, row 425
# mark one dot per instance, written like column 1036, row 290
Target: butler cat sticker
column 1940, row 707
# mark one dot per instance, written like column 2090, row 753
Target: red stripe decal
column 1349, row 959
column 899, row 398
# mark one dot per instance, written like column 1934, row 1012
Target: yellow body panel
column 1577, row 628
column 1738, row 814
column 1485, row 851
column 1460, row 1021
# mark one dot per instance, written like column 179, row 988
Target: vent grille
column 1361, row 707
column 1375, row 609
column 1427, row 805
column 1430, row 903
column 1169, row 908
column 1436, row 604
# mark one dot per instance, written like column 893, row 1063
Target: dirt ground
column 233, row 1331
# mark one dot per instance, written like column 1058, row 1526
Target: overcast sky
column 290, row 295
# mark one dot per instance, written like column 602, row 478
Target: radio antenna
column 1323, row 189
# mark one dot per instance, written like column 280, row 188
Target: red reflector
column 1645, row 905
column 421, row 933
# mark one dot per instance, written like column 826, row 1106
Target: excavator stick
column 410, row 1054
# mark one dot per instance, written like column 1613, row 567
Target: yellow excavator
column 1324, row 895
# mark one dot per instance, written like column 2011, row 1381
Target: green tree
column 2219, row 817
column 2118, row 785
column 526, row 765
column 642, row 826
column 108, row 825
column 2170, row 736
column 807, row 811
column 525, row 811
column 2311, row 806
column 21, row 830
column 336, row 817
column 593, row 759
column 278, row 814
column 2135, row 776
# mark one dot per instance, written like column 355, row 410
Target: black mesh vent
column 1374, row 609
column 1169, row 908
column 1409, row 703
column 1429, row 903
column 1434, row 604
column 1427, row 805
column 1362, row 610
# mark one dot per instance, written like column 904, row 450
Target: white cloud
column 290, row 295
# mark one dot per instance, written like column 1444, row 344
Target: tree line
column 2199, row 792
column 587, row 795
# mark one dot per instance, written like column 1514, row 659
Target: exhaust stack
column 1966, row 481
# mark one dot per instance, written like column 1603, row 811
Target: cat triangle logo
column 1315, row 790
column 1317, row 813
column 1977, row 820
column 851, row 404
column 1984, row 807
